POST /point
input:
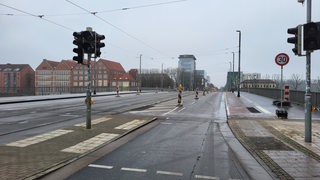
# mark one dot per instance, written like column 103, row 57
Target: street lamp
column 239, row 62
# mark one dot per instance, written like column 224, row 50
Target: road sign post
column 281, row 59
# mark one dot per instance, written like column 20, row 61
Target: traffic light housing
column 99, row 44
column 88, row 42
column 296, row 40
column 78, row 41
column 311, row 39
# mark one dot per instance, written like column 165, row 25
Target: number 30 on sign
column 282, row 59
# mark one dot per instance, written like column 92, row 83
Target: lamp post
column 239, row 62
column 232, row 72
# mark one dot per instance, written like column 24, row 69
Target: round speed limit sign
column 282, row 59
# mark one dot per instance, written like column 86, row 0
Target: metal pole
column 239, row 62
column 88, row 99
column 232, row 88
column 140, row 77
column 307, row 117
column 281, row 81
column 162, row 77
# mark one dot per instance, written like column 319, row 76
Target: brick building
column 68, row 76
column 16, row 79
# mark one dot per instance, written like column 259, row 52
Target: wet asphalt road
column 187, row 144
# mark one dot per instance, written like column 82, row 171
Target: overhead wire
column 34, row 15
column 116, row 27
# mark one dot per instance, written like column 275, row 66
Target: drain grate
column 268, row 143
column 253, row 110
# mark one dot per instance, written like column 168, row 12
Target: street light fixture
column 239, row 62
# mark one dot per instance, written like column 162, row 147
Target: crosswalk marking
column 131, row 124
column 39, row 138
column 96, row 121
column 91, row 143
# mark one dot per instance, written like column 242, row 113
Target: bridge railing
column 296, row 97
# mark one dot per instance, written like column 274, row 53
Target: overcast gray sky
column 160, row 30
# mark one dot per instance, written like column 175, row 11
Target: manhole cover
column 268, row 143
column 253, row 110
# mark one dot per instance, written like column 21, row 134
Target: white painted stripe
column 165, row 123
column 96, row 121
column 91, row 143
column 170, row 111
column 39, row 138
column 263, row 110
column 181, row 109
column 170, row 173
column 100, row 166
column 206, row 177
column 133, row 169
column 130, row 125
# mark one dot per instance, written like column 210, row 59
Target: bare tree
column 296, row 81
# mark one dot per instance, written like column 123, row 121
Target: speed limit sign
column 282, row 59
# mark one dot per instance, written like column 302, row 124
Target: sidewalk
column 278, row 145
column 35, row 156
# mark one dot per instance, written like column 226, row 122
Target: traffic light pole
column 88, row 98
column 307, row 117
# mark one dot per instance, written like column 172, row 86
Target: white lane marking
column 131, row 124
column 165, row 123
column 182, row 109
column 100, row 166
column 96, row 121
column 39, row 138
column 206, row 177
column 91, row 143
column 133, row 169
column 170, row 111
column 263, row 110
column 193, row 103
column 170, row 173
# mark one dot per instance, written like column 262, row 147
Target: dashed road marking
column 91, row 143
column 182, row 109
column 100, row 166
column 205, row 177
column 39, row 138
column 131, row 124
column 96, row 121
column 170, row 111
column 170, row 173
column 133, row 169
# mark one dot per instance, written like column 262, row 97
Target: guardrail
column 296, row 97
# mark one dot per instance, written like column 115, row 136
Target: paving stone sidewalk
column 277, row 144
column 35, row 156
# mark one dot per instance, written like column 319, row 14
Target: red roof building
column 68, row 76
column 16, row 79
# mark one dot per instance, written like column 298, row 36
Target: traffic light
column 99, row 44
column 78, row 41
column 296, row 40
column 311, row 39
column 88, row 42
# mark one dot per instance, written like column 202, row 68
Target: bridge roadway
column 276, row 144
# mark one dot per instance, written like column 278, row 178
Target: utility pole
column 307, row 117
column 239, row 63
column 140, row 77
column 88, row 98
column 232, row 88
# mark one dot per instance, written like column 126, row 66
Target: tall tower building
column 186, row 71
